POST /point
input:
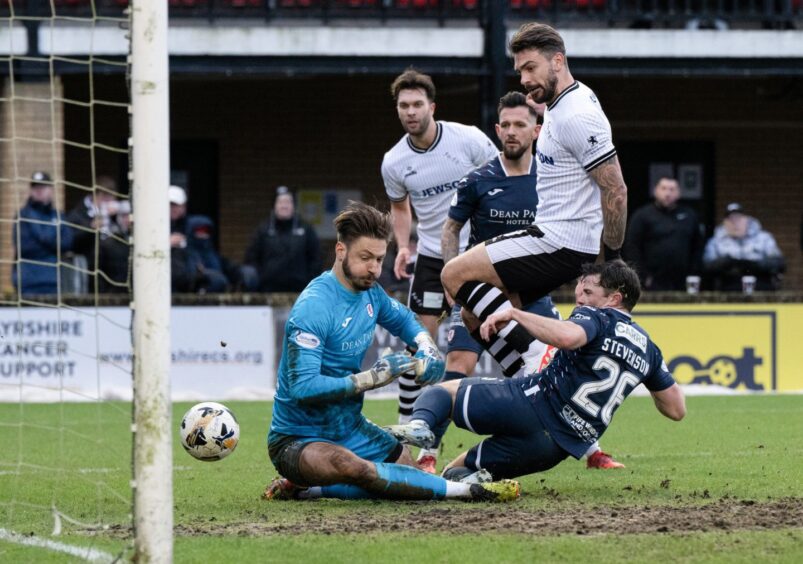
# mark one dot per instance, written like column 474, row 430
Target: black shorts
column 519, row 442
column 426, row 291
column 532, row 267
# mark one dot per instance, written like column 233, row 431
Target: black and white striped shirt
column 430, row 177
column 575, row 139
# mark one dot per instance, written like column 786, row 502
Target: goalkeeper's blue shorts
column 366, row 440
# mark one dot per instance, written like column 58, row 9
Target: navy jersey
column 580, row 390
column 494, row 202
column 327, row 334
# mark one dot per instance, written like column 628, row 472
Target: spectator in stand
column 740, row 247
column 115, row 251
column 93, row 216
column 197, row 267
column 39, row 239
column 284, row 250
column 665, row 240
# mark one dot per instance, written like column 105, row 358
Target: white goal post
column 153, row 429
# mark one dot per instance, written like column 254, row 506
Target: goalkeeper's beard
column 358, row 282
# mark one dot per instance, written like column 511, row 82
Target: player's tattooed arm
column 450, row 239
column 608, row 176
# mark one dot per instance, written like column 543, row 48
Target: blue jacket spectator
column 38, row 242
column 204, row 259
column 740, row 247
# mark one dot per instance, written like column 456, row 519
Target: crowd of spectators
column 665, row 243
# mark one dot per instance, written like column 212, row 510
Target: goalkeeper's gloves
column 431, row 366
column 383, row 372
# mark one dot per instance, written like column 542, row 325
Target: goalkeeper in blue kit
column 319, row 441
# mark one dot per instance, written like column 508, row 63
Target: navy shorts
column 519, row 443
column 459, row 339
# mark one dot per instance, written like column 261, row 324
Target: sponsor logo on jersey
column 409, row 172
column 544, row 159
column 359, row 343
column 592, row 140
column 435, row 190
column 346, row 322
column 583, row 428
column 631, row 334
column 495, row 191
column 369, row 309
column 306, row 340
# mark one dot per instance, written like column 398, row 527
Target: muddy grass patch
column 723, row 515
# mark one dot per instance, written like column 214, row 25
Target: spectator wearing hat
column 740, row 247
column 665, row 240
column 93, row 216
column 284, row 250
column 39, row 238
column 197, row 267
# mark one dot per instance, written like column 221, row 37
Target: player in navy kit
column 582, row 198
column 496, row 199
column 319, row 440
column 537, row 421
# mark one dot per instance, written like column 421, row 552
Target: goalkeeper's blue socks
column 395, row 481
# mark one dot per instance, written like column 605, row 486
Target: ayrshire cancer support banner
column 84, row 354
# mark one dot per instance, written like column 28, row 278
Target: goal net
column 68, row 330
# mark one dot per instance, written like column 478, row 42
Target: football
column 209, row 431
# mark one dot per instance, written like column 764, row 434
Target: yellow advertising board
column 755, row 347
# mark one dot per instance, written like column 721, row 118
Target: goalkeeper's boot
column 503, row 490
column 602, row 461
column 281, row 489
column 416, row 433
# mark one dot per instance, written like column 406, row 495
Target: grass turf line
column 744, row 448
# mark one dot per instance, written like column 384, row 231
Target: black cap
column 40, row 178
column 733, row 207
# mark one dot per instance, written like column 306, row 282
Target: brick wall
column 329, row 132
column 30, row 124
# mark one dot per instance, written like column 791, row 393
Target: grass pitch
column 723, row 485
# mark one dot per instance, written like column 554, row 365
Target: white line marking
column 87, row 553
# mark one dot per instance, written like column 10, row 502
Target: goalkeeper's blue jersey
column 325, row 339
column 581, row 389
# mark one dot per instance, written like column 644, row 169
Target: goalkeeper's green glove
column 431, row 366
column 383, row 372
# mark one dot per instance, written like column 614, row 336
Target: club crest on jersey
column 306, row 340
column 369, row 309
column 631, row 334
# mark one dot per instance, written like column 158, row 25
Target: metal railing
column 695, row 14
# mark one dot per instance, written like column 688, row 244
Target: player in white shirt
column 582, row 197
column 422, row 172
